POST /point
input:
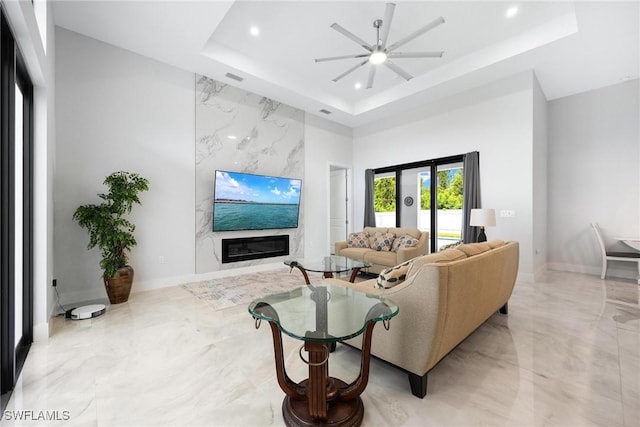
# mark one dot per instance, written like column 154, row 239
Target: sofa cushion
column 413, row 232
column 355, row 253
column 358, row 240
column 385, row 258
column 381, row 241
column 393, row 276
column 438, row 257
column 373, row 230
column 471, row 249
column 495, row 243
column 404, row 241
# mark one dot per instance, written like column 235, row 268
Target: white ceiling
column 571, row 46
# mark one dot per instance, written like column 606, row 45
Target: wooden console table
column 320, row 316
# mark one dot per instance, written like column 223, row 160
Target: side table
column 320, row 315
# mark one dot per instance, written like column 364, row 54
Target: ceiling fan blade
column 352, row 36
column 399, row 71
column 386, row 23
column 416, row 54
column 429, row 26
column 334, row 58
column 351, row 70
column 372, row 75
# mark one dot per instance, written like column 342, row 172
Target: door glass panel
column 424, row 204
column 449, row 187
column 385, row 199
column 18, row 243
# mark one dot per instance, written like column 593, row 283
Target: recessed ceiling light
column 511, row 12
column 358, row 85
column 232, row 137
column 255, row 31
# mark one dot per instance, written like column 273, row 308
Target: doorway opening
column 339, row 204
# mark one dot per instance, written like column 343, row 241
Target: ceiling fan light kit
column 378, row 53
column 378, row 57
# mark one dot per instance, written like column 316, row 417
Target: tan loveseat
column 445, row 297
column 380, row 260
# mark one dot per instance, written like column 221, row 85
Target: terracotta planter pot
column 119, row 286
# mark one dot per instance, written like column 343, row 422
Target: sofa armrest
column 422, row 248
column 340, row 246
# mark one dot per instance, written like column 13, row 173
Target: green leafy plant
column 107, row 227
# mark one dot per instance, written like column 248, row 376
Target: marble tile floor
column 568, row 354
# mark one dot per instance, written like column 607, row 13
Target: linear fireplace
column 247, row 248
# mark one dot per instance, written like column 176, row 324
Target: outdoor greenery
column 108, row 229
column 449, row 192
column 385, row 194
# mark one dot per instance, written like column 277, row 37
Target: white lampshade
column 483, row 217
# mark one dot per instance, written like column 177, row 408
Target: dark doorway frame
column 13, row 72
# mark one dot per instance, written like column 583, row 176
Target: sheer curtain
column 470, row 194
column 369, row 191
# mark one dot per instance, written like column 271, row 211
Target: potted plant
column 111, row 232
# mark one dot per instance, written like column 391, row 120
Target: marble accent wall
column 240, row 131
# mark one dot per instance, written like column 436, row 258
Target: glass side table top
column 323, row 313
column 328, row 264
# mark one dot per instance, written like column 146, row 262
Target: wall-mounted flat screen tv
column 245, row 201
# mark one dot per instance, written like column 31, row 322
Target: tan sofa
column 445, row 297
column 380, row 260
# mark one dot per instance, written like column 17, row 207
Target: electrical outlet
column 507, row 213
column 161, row 259
column 54, row 282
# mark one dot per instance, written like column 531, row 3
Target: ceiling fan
column 381, row 54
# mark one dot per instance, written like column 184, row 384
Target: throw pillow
column 404, row 241
column 451, row 245
column 393, row 276
column 381, row 242
column 358, row 240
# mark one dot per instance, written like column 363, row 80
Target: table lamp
column 482, row 218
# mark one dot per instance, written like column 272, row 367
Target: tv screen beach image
column 255, row 202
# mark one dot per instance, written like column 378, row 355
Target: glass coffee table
column 319, row 316
column 328, row 266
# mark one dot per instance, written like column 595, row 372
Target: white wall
column 326, row 144
column 495, row 120
column 540, row 149
column 594, row 159
column 120, row 111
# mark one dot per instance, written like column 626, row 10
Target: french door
column 16, row 199
column 426, row 195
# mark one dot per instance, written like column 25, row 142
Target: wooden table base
column 326, row 274
column 339, row 413
column 321, row 400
